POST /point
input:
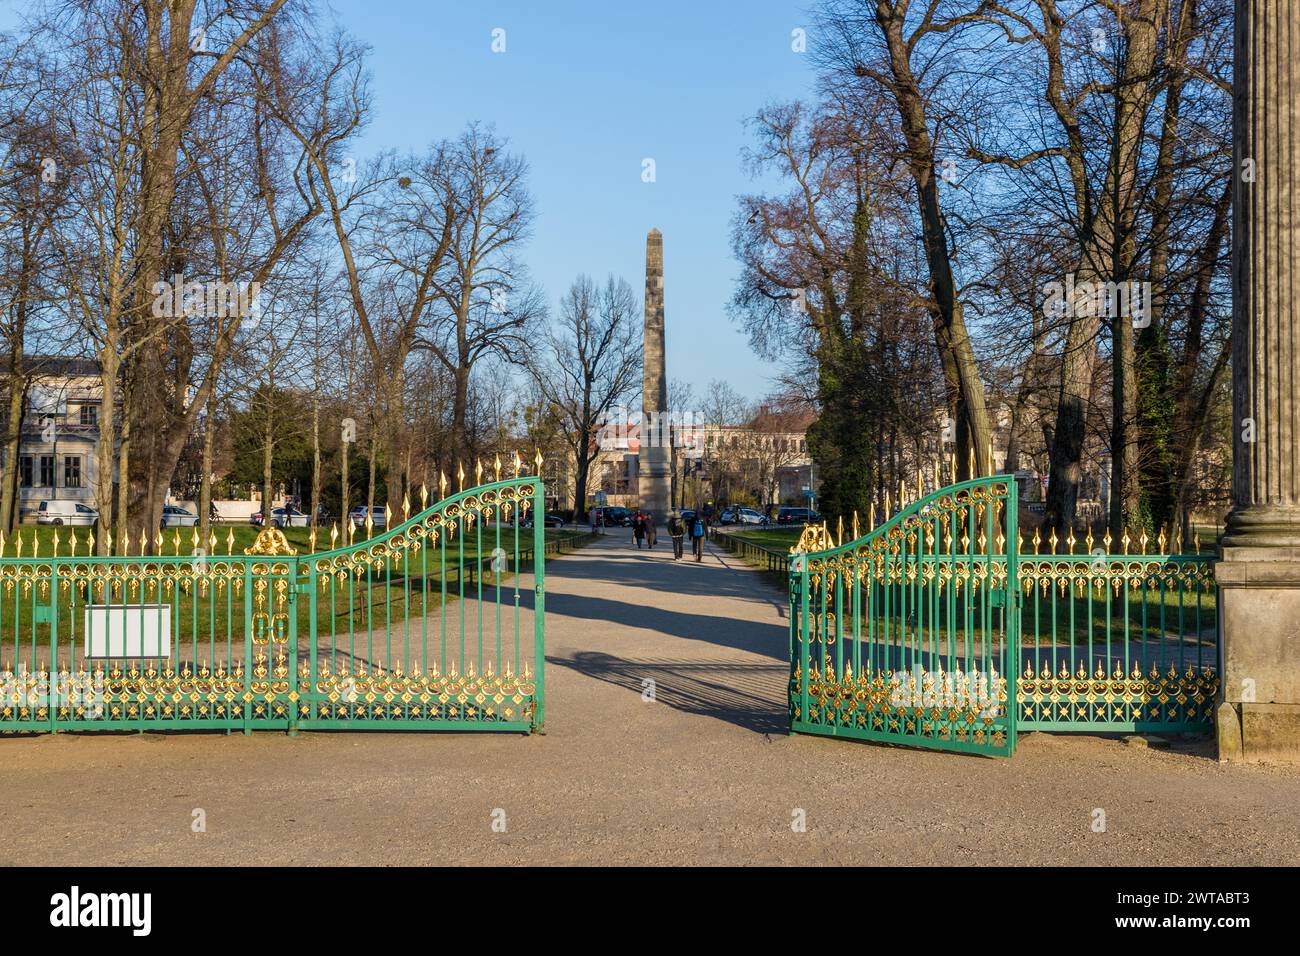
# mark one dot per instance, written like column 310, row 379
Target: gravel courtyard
column 704, row 774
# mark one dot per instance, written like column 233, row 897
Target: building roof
column 61, row 365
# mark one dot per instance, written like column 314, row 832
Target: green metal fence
column 435, row 624
column 904, row 633
column 908, row 634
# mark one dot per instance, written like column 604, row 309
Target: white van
column 66, row 512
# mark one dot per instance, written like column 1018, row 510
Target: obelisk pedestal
column 1259, row 568
column 653, row 463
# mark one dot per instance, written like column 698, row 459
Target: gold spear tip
column 424, row 496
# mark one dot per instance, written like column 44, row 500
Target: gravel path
column 704, row 774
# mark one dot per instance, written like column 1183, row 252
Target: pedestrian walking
column 676, row 531
column 697, row 536
column 638, row 529
column 650, row 534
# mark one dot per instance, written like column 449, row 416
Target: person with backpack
column 697, row 536
column 676, row 531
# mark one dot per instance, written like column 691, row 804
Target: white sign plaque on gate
column 119, row 631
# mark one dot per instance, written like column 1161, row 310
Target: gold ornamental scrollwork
column 271, row 542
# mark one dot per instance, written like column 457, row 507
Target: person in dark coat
column 638, row 528
column 676, row 531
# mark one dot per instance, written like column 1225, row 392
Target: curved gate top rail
column 909, row 633
column 430, row 625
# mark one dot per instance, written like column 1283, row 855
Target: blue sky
column 587, row 89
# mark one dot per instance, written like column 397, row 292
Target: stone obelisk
column 653, row 468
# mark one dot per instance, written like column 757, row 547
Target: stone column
column 653, row 464
column 1259, row 568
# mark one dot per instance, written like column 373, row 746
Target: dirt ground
column 704, row 774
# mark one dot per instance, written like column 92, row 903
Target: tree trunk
column 205, row 480
column 13, row 439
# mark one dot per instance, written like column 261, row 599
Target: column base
column 1258, row 718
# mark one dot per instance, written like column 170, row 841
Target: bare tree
column 592, row 362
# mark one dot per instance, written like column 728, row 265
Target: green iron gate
column 908, row 634
column 419, row 627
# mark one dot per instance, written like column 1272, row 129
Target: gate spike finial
column 478, row 471
column 888, row 509
column 856, row 533
column 334, row 534
column 519, row 463
column 424, row 496
column 992, row 470
column 108, row 541
column 72, row 543
column 2, row 544
column 142, row 542
column 311, row 540
column 538, row 459
column 938, row 475
column 388, row 516
column 460, row 476
column 871, row 516
column 56, row 542
column 496, row 467
column 970, row 462
column 406, row 505
column 952, row 461
column 230, row 541
column 442, row 484
column 839, row 531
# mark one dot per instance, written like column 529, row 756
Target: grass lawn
column 378, row 599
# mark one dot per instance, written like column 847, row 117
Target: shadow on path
column 769, row 640
column 751, row 696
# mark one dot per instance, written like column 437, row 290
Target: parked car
column 550, row 521
column 749, row 516
column 613, row 516
column 377, row 518
column 66, row 512
column 281, row 518
column 177, row 517
column 728, row 516
column 797, row 516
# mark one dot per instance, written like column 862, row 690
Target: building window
column 72, row 471
column 47, row 471
column 25, row 470
column 89, row 415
